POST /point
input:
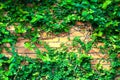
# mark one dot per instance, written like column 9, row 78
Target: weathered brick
column 44, row 35
column 23, row 50
column 7, row 44
column 54, row 44
column 64, row 39
column 63, row 34
column 11, row 28
column 31, row 55
column 78, row 23
column 99, row 55
column 22, row 54
column 7, row 54
column 4, row 50
column 94, row 50
column 72, row 29
column 100, row 44
column 72, row 50
column 78, row 29
column 40, row 45
column 103, row 62
column 106, row 67
column 21, row 41
column 56, row 39
column 73, row 34
column 117, row 78
column 119, row 55
column 81, row 38
column 68, row 44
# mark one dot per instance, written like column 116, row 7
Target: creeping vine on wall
column 29, row 17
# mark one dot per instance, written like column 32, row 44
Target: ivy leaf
column 33, row 20
column 90, row 17
column 94, row 0
column 106, row 3
column 85, row 13
column 36, row 18
column 68, row 1
column 28, row 45
column 7, row 40
column 1, row 6
column 36, row 74
column 1, row 55
column 22, row 11
column 100, row 34
column 113, row 55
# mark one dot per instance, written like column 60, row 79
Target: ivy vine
column 30, row 17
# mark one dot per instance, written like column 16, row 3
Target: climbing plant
column 52, row 65
column 30, row 17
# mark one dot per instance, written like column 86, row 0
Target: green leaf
column 85, row 13
column 106, row 3
column 0, row 64
column 68, row 1
column 29, row 45
column 34, row 20
column 100, row 34
column 94, row 0
column 2, row 55
column 1, row 6
column 90, row 17
column 36, row 74
column 20, row 29
column 113, row 55
column 7, row 40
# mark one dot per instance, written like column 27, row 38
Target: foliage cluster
column 52, row 65
column 30, row 17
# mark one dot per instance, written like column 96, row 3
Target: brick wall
column 55, row 41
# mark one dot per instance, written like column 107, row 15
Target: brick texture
column 55, row 41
